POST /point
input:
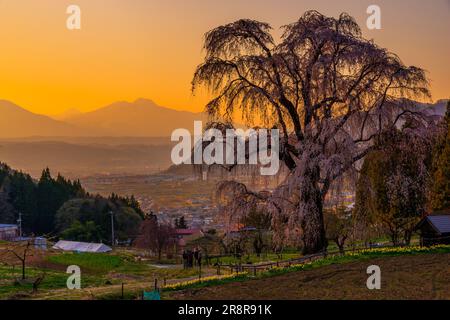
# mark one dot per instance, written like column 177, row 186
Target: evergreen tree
column 23, row 195
column 90, row 220
column 46, row 207
column 391, row 190
column 51, row 195
column 180, row 223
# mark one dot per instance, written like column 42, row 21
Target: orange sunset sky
column 128, row 49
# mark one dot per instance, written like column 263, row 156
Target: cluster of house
column 10, row 232
column 183, row 236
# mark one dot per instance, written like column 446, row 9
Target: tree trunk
column 23, row 269
column 314, row 239
column 311, row 211
column 407, row 237
column 258, row 244
column 394, row 238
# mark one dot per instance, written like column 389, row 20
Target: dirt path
column 132, row 286
column 425, row 276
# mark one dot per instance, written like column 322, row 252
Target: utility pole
column 112, row 228
column 19, row 221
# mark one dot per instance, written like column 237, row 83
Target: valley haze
column 141, row 118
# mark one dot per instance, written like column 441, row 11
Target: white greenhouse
column 81, row 246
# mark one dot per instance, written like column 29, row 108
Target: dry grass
column 424, row 276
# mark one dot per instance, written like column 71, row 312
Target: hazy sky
column 128, row 49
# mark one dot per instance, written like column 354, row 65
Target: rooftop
column 440, row 222
column 186, row 232
column 8, row 225
column 81, row 246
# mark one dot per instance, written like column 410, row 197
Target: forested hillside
column 61, row 207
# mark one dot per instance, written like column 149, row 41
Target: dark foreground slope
column 402, row 277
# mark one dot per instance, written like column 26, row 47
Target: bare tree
column 329, row 91
column 21, row 250
column 38, row 281
column 155, row 236
column 338, row 226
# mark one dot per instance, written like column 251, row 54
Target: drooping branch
column 329, row 90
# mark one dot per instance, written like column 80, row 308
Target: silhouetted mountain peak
column 16, row 121
column 142, row 117
column 6, row 105
column 144, row 101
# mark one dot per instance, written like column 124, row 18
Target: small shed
column 434, row 229
column 183, row 236
column 81, row 246
column 39, row 242
column 8, row 231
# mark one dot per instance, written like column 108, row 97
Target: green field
column 89, row 261
column 11, row 287
column 97, row 271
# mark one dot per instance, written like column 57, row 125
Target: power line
column 19, row 221
column 112, row 227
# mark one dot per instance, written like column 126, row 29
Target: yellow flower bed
column 397, row 250
column 357, row 253
column 180, row 285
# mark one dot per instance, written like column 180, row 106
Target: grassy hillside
column 102, row 275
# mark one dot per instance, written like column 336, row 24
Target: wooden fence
column 254, row 268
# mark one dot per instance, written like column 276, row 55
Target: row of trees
column 89, row 219
column 38, row 201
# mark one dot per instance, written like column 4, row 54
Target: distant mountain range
column 18, row 122
column 435, row 109
column 141, row 118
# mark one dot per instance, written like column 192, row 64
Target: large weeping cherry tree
column 328, row 90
